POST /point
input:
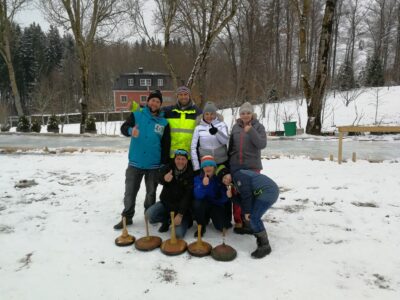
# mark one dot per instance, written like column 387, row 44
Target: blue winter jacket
column 214, row 192
column 251, row 185
column 150, row 149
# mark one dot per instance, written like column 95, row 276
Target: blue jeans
column 262, row 203
column 133, row 179
column 158, row 213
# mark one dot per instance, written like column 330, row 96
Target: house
column 136, row 87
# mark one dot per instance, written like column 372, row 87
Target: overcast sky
column 33, row 14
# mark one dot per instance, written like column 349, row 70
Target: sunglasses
column 181, row 152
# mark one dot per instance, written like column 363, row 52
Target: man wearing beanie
column 210, row 197
column 182, row 120
column 176, row 195
column 149, row 149
column 210, row 137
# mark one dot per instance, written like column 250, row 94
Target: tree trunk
column 13, row 81
column 85, row 97
column 396, row 66
column 5, row 52
column 314, row 108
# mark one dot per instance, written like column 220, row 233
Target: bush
column 52, row 124
column 5, row 127
column 23, row 124
column 90, row 124
column 36, row 126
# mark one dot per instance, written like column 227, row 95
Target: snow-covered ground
column 334, row 233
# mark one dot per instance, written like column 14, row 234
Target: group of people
column 206, row 174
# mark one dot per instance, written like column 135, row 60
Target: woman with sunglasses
column 248, row 138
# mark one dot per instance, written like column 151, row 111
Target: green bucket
column 290, row 128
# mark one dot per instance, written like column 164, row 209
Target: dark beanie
column 155, row 94
column 221, row 172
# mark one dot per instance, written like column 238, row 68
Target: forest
column 227, row 51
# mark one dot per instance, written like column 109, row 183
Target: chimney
column 140, row 70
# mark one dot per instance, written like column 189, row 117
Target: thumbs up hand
column 135, row 131
column 212, row 130
column 206, row 180
column 168, row 177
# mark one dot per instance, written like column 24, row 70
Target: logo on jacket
column 159, row 129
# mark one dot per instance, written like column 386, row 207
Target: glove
column 213, row 130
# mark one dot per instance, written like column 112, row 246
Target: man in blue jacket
column 149, row 149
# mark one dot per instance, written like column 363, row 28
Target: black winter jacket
column 177, row 195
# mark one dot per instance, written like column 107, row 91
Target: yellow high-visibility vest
column 135, row 106
column 182, row 130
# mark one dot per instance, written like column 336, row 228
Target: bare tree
column 85, row 18
column 8, row 10
column 377, row 96
column 314, row 95
column 350, row 96
column 165, row 15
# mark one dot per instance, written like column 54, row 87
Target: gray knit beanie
column 183, row 89
column 246, row 107
column 210, row 107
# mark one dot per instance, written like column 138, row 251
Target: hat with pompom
column 207, row 161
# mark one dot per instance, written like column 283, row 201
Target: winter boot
column 263, row 247
column 120, row 224
column 164, row 227
column 244, row 229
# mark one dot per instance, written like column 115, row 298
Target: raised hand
column 168, row 177
column 247, row 127
column 212, row 130
column 206, row 180
column 135, row 131
column 229, row 191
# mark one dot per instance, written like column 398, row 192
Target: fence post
column 340, row 147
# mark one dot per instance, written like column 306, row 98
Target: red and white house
column 136, row 87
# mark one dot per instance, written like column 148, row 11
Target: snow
column 57, row 240
column 335, row 113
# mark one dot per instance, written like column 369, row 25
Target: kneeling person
column 257, row 193
column 176, row 195
column 210, row 197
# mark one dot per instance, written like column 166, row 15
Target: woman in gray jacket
column 247, row 139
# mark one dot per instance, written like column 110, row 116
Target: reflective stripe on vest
column 181, row 131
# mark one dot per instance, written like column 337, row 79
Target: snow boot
column 120, row 224
column 263, row 247
column 244, row 229
column 164, row 227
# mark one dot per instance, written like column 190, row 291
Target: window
column 124, row 99
column 160, row 82
column 145, row 82
column 130, row 82
column 143, row 99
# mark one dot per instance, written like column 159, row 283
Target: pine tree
column 345, row 79
column 54, row 50
column 374, row 74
